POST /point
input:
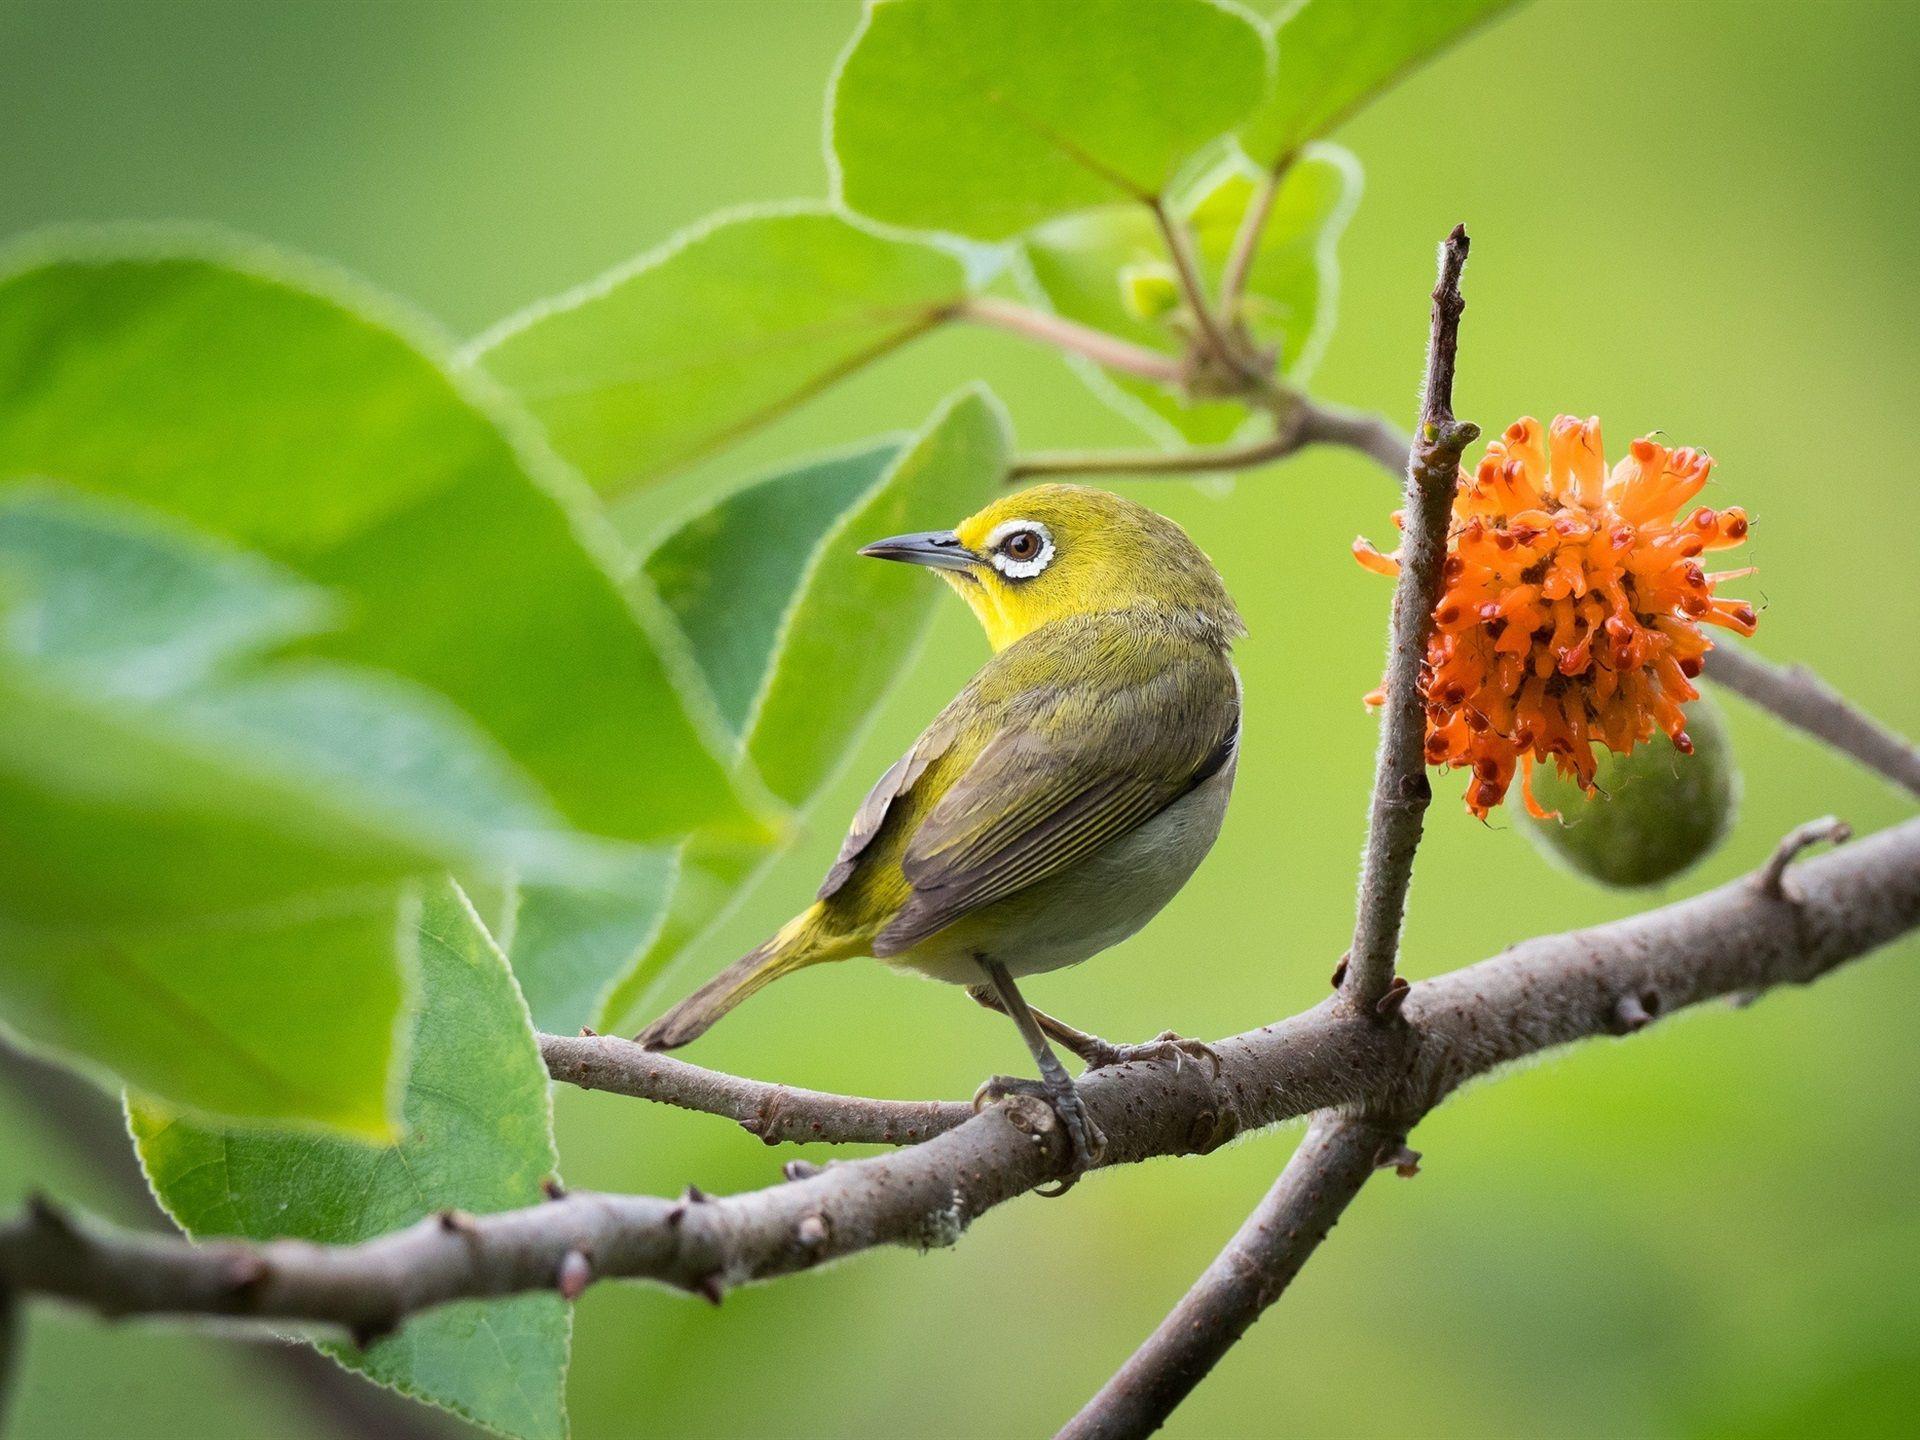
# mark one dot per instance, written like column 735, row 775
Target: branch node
column 576, row 1273
column 1403, row 1161
column 1340, row 970
column 246, row 1272
column 1770, row 879
column 812, row 1232
column 45, row 1215
column 1634, row 1012
column 367, row 1333
column 587, row 1032
column 1388, row 1005
column 801, row 1170
column 710, row 1288
column 456, row 1222
column 551, row 1187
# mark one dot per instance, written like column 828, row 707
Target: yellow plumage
column 1063, row 796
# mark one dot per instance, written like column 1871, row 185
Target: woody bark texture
column 1740, row 939
column 1401, row 791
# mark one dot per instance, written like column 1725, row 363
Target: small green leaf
column 568, row 946
column 286, row 415
column 983, row 118
column 1081, row 267
column 1336, row 55
column 721, row 329
column 1655, row 812
column 801, row 636
column 479, row 1138
column 730, row 574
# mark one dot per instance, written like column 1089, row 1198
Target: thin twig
column 772, row 1113
column 1333, row 1161
column 1540, row 994
column 1796, row 695
column 1071, row 336
column 1303, row 423
column 1246, row 240
column 1771, row 878
column 1401, row 790
column 1186, row 270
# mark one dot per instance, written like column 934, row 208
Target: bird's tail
column 802, row 941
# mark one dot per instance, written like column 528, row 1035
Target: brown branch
column 1796, row 695
column 1071, row 336
column 1540, row 994
column 1187, row 270
column 772, row 1113
column 1401, row 790
column 12, row 1337
column 1303, row 423
column 1326, row 1172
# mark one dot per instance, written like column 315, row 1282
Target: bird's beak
column 940, row 549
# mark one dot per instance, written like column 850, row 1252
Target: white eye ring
column 1019, row 569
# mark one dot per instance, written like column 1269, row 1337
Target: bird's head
column 1057, row 551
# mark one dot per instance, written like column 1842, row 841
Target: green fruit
column 1149, row 291
column 1654, row 813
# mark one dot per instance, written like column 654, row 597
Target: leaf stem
column 1246, row 240
column 1071, row 336
column 1187, row 269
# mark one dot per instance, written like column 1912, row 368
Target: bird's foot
column 1165, row 1046
column 1085, row 1143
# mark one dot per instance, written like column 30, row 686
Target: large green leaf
column 1336, row 55
column 820, row 634
column 200, row 844
column 983, row 118
column 1081, row 266
column 720, row 330
column 479, row 1137
column 285, row 415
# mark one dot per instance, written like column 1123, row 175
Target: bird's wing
column 1123, row 727
column 899, row 778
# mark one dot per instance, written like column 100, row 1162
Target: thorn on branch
column 1388, row 1005
column 576, row 1273
column 551, row 1187
column 456, row 1222
column 1634, row 1012
column 1340, row 970
column 710, row 1288
column 1770, row 879
column 1398, row 1158
column 587, row 1032
column 801, row 1170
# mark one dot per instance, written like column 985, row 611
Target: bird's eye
column 1021, row 545
column 1020, row 549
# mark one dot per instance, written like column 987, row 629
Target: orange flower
column 1571, row 605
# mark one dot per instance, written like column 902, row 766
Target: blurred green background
column 1690, row 218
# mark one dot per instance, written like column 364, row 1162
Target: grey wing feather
column 872, row 814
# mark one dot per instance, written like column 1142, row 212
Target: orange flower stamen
column 1571, row 605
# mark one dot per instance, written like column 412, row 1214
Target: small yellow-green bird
column 1060, row 801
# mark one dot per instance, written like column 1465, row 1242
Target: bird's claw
column 1085, row 1142
column 1164, row 1046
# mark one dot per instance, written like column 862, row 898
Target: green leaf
column 289, row 415
column 287, row 1012
column 730, row 573
column 1336, row 55
column 822, row 633
column 983, row 118
column 569, row 946
column 479, row 1137
column 721, row 329
column 199, row 863
column 1088, row 268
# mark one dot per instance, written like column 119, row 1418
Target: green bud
column 1150, row 292
column 1654, row 814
